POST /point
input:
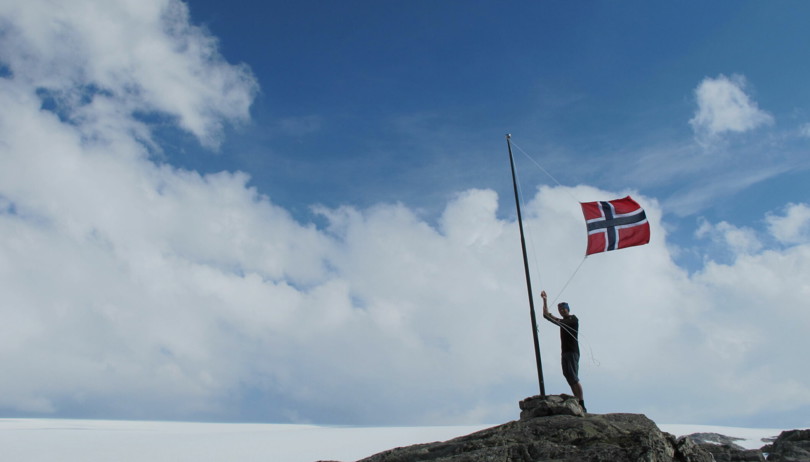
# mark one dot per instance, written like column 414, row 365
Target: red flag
column 615, row 225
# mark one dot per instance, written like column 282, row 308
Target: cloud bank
column 134, row 289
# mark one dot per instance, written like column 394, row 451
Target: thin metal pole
column 526, row 269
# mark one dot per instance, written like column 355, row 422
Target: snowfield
column 46, row 440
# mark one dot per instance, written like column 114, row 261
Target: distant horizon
column 199, row 442
column 669, row 424
column 328, row 425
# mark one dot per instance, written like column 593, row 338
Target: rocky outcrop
column 725, row 449
column 538, row 406
column 790, row 446
column 729, row 453
column 555, row 428
column 716, row 439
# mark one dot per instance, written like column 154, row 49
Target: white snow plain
column 35, row 440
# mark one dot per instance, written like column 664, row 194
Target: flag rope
column 530, row 233
column 534, row 249
column 567, row 189
column 579, row 338
column 528, row 224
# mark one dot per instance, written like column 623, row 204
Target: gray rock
column 724, row 449
column 555, row 428
column 729, row 453
column 790, row 446
column 537, row 406
column 717, row 439
column 590, row 438
column 686, row 448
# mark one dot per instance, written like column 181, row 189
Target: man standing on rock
column 569, row 333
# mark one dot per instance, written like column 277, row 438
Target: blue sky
column 303, row 212
column 423, row 94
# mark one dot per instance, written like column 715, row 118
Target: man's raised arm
column 546, row 313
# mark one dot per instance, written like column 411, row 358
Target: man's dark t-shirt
column 569, row 333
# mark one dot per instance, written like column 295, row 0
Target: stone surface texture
column 555, row 428
column 537, row 406
column 790, row 446
column 568, row 435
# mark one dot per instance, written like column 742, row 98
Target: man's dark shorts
column 570, row 367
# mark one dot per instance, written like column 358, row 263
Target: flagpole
column 526, row 270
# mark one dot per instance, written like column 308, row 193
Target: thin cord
column 545, row 171
column 527, row 223
column 569, row 279
column 569, row 330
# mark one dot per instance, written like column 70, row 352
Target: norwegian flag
column 615, row 225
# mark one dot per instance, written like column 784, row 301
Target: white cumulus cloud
column 738, row 240
column 724, row 106
column 793, row 227
column 128, row 56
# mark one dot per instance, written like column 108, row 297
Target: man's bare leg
column 577, row 390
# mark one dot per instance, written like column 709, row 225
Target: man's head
column 564, row 309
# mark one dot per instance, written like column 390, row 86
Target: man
column 569, row 333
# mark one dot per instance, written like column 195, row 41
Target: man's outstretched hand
column 545, row 303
